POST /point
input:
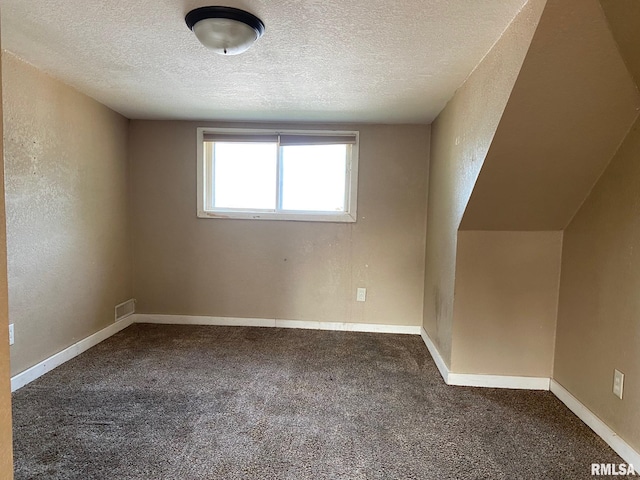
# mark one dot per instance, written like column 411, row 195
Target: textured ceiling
column 319, row 60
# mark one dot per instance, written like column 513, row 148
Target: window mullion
column 347, row 180
column 279, row 178
column 210, row 174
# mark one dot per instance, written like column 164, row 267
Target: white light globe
column 225, row 36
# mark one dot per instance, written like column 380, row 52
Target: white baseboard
column 435, row 354
column 29, row 375
column 475, row 380
column 498, row 381
column 273, row 322
column 618, row 445
column 201, row 320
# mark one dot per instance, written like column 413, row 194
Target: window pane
column 245, row 175
column 313, row 177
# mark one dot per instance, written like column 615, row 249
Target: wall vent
column 125, row 309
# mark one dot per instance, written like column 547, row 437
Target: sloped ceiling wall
column 624, row 19
column 571, row 107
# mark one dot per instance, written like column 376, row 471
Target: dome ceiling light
column 225, row 30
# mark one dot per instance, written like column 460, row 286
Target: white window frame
column 205, row 210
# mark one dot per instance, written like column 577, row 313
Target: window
column 277, row 175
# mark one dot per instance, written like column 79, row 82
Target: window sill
column 295, row 217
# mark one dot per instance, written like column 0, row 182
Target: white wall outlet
column 618, row 383
column 11, row 335
column 361, row 295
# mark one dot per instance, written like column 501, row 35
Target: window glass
column 245, row 175
column 314, row 177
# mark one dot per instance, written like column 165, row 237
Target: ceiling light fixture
column 225, row 30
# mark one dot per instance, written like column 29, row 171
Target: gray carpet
column 182, row 402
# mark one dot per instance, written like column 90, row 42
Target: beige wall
column 599, row 310
column 506, row 300
column 6, row 438
column 68, row 234
column 461, row 136
column 279, row 269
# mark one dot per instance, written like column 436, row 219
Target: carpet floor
column 191, row 402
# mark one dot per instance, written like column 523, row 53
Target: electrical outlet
column 361, row 296
column 618, row 383
column 11, row 335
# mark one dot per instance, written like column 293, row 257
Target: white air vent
column 125, row 309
